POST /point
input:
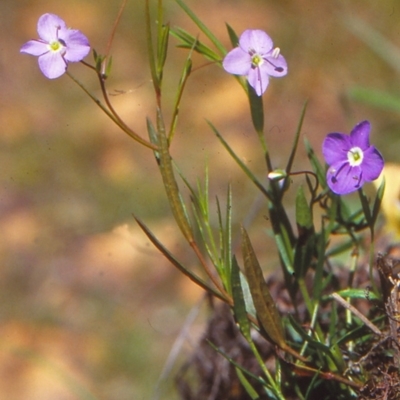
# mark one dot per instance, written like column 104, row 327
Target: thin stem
column 111, row 113
column 110, row 40
column 210, row 274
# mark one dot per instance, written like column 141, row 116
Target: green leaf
column 365, row 207
column 247, row 385
column 189, row 41
column 150, row 49
column 317, row 167
column 378, row 201
column 358, row 294
column 256, row 109
column 267, row 312
column 202, row 27
column 286, row 251
column 319, row 268
column 107, row 70
column 305, row 245
column 232, row 35
column 169, row 256
column 233, row 362
column 296, row 139
column 304, row 217
column 182, row 82
column 162, row 49
column 239, row 161
column 153, row 136
column 375, row 98
column 239, row 305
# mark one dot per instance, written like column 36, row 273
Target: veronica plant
column 308, row 342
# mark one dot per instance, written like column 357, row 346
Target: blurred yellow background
column 89, row 309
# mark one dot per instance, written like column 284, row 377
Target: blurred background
column 89, row 309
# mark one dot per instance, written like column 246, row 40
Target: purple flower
column 352, row 160
column 256, row 58
column 57, row 46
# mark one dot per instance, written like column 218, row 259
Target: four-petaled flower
column 352, row 160
column 57, row 46
column 257, row 58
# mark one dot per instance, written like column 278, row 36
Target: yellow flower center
column 256, row 60
column 355, row 156
column 55, row 46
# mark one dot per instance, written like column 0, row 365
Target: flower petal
column 258, row 79
column 77, row 45
column 34, row 48
column 335, row 148
column 52, row 65
column 344, row 179
column 372, row 164
column 237, row 62
column 255, row 40
column 48, row 25
column 275, row 66
column 360, row 135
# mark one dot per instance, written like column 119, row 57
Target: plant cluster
column 316, row 333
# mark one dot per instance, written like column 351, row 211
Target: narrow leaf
column 189, row 41
column 365, row 207
column 202, row 27
column 162, row 49
column 239, row 306
column 378, row 201
column 296, row 139
column 181, row 86
column 256, row 109
column 170, row 257
column 150, row 49
column 247, row 385
column 232, row 36
column 318, row 168
column 239, row 161
column 375, row 98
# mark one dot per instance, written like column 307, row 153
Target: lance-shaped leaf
column 257, row 110
column 306, row 238
column 239, row 305
column 264, row 304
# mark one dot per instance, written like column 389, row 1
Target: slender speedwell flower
column 352, row 160
column 57, row 46
column 257, row 58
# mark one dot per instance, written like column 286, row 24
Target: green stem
column 110, row 112
column 261, row 362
